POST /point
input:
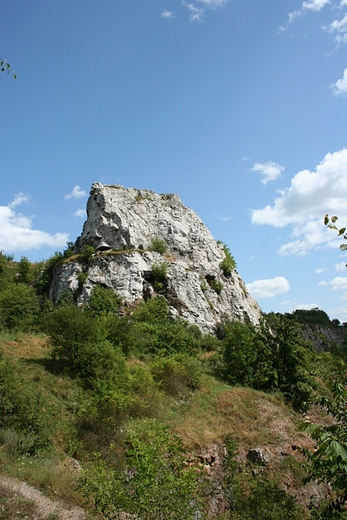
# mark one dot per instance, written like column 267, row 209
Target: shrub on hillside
column 228, row 264
column 103, row 301
column 177, row 373
column 22, row 411
column 157, row 483
column 19, row 308
column 159, row 245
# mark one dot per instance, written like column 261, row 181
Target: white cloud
column 338, row 25
column 340, row 87
column 268, row 288
column 340, row 313
column 319, row 271
column 18, row 199
column 314, row 5
column 343, row 3
column 167, row 15
column 339, row 283
column 304, row 204
column 307, row 306
column 341, row 266
column 80, row 213
column 197, row 13
column 214, row 4
column 225, row 219
column 76, row 193
column 311, row 5
column 270, row 170
column 16, row 231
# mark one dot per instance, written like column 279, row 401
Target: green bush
column 215, row 285
column 103, row 301
column 82, row 278
column 23, row 412
column 228, row 264
column 177, row 373
column 70, row 329
column 265, row 501
column 157, row 483
column 158, row 277
column 19, row 308
column 87, row 253
column 152, row 311
column 159, row 245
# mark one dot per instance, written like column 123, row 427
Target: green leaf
column 338, row 450
column 341, row 231
column 334, row 219
column 343, row 247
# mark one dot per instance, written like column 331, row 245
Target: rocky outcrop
column 323, row 337
column 122, row 226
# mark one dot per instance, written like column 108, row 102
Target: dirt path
column 44, row 505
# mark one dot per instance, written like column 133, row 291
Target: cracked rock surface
column 121, row 225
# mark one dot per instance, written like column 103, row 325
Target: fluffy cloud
column 197, row 11
column 306, row 306
column 268, row 288
column 167, row 15
column 80, row 213
column 76, row 193
column 339, row 283
column 16, row 231
column 341, row 266
column 340, row 87
column 270, row 170
column 304, row 203
column 338, row 25
column 311, row 5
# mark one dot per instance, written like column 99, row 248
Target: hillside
column 204, row 419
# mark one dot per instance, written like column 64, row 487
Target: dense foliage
column 271, row 357
column 125, row 368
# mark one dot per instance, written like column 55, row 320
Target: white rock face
column 128, row 218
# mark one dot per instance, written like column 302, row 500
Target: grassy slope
column 216, row 410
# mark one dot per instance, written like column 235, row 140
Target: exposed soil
column 43, row 507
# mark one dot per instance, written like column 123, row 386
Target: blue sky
column 239, row 107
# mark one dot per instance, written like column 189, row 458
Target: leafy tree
column 328, row 463
column 289, row 354
column 272, row 357
column 25, row 270
column 19, row 308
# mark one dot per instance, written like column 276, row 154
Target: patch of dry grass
column 217, row 410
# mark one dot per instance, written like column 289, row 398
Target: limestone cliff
column 121, row 226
